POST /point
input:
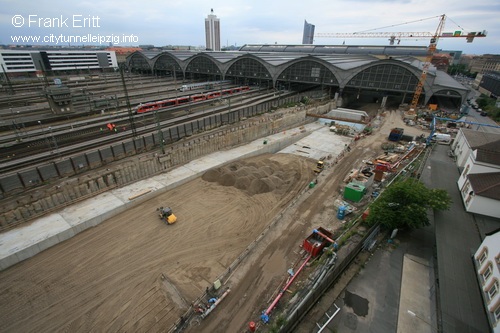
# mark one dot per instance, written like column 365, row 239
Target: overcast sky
column 181, row 22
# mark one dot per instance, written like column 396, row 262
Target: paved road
column 457, row 238
column 379, row 285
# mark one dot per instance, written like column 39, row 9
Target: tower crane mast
column 430, row 52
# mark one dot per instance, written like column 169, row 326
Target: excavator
column 167, row 215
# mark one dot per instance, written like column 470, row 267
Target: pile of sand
column 254, row 177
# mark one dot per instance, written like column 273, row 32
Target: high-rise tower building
column 212, row 32
column 308, row 36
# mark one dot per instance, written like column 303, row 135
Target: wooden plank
column 139, row 194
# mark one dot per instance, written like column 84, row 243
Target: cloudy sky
column 181, row 22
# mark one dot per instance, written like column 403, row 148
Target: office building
column 37, row 61
column 308, row 36
column 212, row 32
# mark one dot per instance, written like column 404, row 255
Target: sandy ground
column 135, row 274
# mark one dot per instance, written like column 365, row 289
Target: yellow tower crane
column 430, row 52
column 393, row 36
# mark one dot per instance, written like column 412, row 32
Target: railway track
column 69, row 139
column 84, row 98
column 102, row 98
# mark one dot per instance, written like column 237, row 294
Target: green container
column 354, row 192
column 312, row 184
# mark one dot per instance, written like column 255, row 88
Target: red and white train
column 152, row 106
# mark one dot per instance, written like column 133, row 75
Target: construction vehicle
column 396, row 134
column 167, row 215
column 320, row 165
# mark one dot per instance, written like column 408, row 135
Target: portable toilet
column 354, row 192
column 341, row 213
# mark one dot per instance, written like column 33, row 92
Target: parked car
column 484, row 113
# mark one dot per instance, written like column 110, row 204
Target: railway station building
column 376, row 74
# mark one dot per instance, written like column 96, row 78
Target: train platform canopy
column 389, row 50
column 336, row 60
column 383, row 70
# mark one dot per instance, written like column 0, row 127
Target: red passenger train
column 152, row 106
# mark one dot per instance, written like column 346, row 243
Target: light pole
column 44, row 135
column 16, row 131
column 55, row 141
column 160, row 132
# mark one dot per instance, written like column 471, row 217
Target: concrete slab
column 24, row 242
column 17, row 239
column 91, row 208
column 319, row 144
column 414, row 302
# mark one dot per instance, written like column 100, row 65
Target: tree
column 404, row 205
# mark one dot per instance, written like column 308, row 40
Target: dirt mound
column 254, row 178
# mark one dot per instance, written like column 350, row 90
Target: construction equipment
column 320, row 165
column 397, row 36
column 396, row 134
column 425, row 67
column 167, row 215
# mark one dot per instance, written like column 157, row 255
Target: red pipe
column 273, row 304
column 324, row 236
column 395, row 165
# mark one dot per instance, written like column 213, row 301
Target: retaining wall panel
column 30, row 177
column 156, row 138
column 94, row 159
column 48, row 171
column 149, row 142
column 118, row 151
column 129, row 148
column 65, row 167
column 80, row 163
column 139, row 144
column 11, row 183
column 174, row 133
column 187, row 130
column 107, row 154
column 197, row 125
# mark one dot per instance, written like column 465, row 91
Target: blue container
column 341, row 213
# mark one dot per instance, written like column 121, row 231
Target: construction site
column 240, row 226
column 251, row 225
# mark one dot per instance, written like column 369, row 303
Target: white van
column 443, row 139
